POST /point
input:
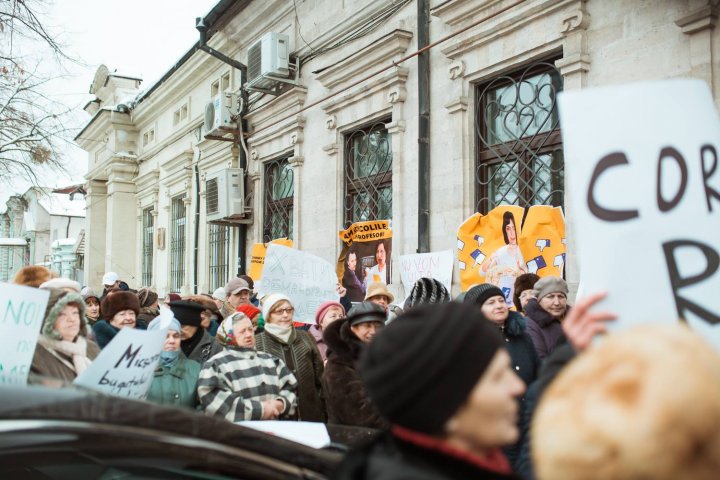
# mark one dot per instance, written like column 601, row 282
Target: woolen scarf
column 76, row 350
column 283, row 333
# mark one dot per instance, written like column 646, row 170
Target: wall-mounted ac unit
column 225, row 196
column 268, row 57
column 219, row 113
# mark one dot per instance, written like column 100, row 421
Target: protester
column 251, row 284
column 171, row 297
column 238, row 293
column 149, row 306
column 219, row 297
column 523, row 290
column 119, row 310
column 378, row 293
column 92, row 305
column 298, row 350
column 175, row 378
column 440, row 375
column 32, row 276
column 241, row 383
column 110, row 280
column 512, row 325
column 427, row 290
column 254, row 314
column 326, row 313
column 210, row 316
column 195, row 342
column 64, row 284
column 63, row 350
column 643, row 403
column 347, row 402
column 546, row 313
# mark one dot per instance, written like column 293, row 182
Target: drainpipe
column 423, row 27
column 197, row 223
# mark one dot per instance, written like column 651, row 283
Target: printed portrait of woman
column 352, row 278
column 380, row 271
column 506, row 263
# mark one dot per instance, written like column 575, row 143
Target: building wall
column 591, row 42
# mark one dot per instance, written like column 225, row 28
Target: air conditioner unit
column 219, row 113
column 268, row 57
column 225, row 196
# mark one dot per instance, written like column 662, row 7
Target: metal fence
column 148, row 229
column 279, row 191
column 219, row 255
column 177, row 243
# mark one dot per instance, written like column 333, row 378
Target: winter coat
column 176, row 385
column 205, row 348
column 347, row 402
column 104, row 332
column 48, row 364
column 389, row 458
column 234, row 384
column 544, row 330
column 303, row 359
column 146, row 315
column 319, row 341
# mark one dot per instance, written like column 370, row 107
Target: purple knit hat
column 324, row 307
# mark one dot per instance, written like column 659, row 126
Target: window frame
column 218, row 255
column 284, row 205
column 178, row 225
column 148, row 233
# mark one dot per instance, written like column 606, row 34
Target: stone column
column 95, row 231
column 699, row 24
column 121, row 252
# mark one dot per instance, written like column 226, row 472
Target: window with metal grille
column 177, row 243
column 148, row 230
column 279, row 190
column 219, row 255
column 368, row 174
column 519, row 147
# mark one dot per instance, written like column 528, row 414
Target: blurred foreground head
column 644, row 403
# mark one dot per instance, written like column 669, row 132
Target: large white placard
column 644, row 196
column 125, row 366
column 306, row 279
column 312, row 434
column 22, row 309
column 437, row 265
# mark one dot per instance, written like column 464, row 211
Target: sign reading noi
column 644, row 194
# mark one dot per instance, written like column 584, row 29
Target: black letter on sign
column 608, row 161
column 708, row 172
column 672, row 153
column 683, row 304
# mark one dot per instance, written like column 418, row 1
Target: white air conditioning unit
column 268, row 57
column 225, row 196
column 219, row 113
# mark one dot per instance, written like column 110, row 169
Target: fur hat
column 427, row 290
column 642, row 403
column 324, row 307
column 479, row 294
column 117, row 301
column 375, row 289
column 146, row 297
column 207, row 303
column 270, row 301
column 547, row 285
column 57, row 301
column 32, row 276
column 526, row 281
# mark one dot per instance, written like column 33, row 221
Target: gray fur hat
column 547, row 285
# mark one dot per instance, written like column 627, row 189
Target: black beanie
column 427, row 290
column 421, row 368
column 186, row 312
column 479, row 294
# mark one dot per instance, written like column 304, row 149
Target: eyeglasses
column 281, row 311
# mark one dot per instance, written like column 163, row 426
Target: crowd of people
column 460, row 388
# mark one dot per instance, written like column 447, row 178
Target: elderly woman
column 298, row 350
column 545, row 312
column 92, row 305
column 63, row 351
column 210, row 317
column 325, row 314
column 175, row 381
column 523, row 291
column 119, row 310
column 195, row 342
column 441, row 376
column 149, row 306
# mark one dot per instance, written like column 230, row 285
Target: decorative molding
column 331, row 122
column 460, row 104
column 454, row 12
column 395, row 77
column 287, row 103
column 296, row 161
column 573, row 64
column 296, row 137
column 698, row 20
column 578, row 20
column 331, row 149
column 396, row 127
column 397, row 94
column 253, row 154
column 456, row 69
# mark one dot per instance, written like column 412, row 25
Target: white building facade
column 334, row 149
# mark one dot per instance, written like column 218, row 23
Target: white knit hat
column 219, row 294
column 270, row 301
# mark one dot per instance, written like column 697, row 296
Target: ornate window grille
column 177, row 243
column 279, row 191
column 519, row 155
column 368, row 174
column 219, row 246
column 147, row 258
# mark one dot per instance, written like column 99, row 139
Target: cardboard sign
column 507, row 242
column 308, row 280
column 644, row 184
column 125, row 366
column 311, row 434
column 22, row 310
column 366, row 257
column 437, row 265
column 257, row 257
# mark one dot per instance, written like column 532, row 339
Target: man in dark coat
column 195, row 342
column 347, row 402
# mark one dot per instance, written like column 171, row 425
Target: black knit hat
column 479, row 294
column 421, row 368
column 427, row 290
column 186, row 312
column 366, row 312
column 526, row 281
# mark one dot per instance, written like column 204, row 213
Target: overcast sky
column 140, row 37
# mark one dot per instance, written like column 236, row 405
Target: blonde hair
column 643, row 404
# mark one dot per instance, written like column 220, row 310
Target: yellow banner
column 257, row 258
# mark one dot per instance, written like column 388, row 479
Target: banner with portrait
column 508, row 242
column 365, row 257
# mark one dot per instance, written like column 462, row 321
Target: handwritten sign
column 22, row 312
column 125, row 366
column 644, row 185
column 437, row 265
column 308, row 280
column 257, row 257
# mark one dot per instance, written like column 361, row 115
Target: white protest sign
column 312, row 434
column 125, row 366
column 437, row 265
column 22, row 310
column 306, row 279
column 644, row 195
